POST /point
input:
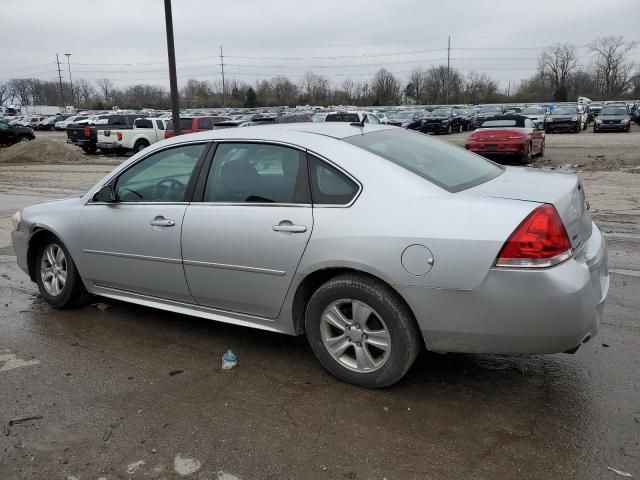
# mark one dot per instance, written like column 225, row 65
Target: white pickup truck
column 145, row 131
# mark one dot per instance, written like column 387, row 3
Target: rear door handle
column 289, row 228
column 162, row 222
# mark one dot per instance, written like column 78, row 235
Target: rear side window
column 143, row 123
column 342, row 117
column 160, row 124
column 443, row 164
column 185, row 124
column 205, row 123
column 330, row 186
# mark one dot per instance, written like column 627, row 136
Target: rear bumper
column 109, row 145
column 79, row 141
column 513, row 311
column 503, row 148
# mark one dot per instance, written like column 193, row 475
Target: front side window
column 373, row 119
column 328, row 185
column 160, row 177
column 143, row 123
column 257, row 173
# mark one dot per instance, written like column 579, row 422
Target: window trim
column 198, row 194
column 341, row 170
column 189, row 192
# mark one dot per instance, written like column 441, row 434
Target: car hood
column 562, row 190
column 563, row 117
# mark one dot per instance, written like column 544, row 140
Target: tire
column 527, row 158
column 66, row 293
column 388, row 315
column 460, row 127
column 578, row 128
column 595, row 129
column 140, row 145
column 89, row 148
column 541, row 154
column 547, row 130
column 628, row 128
column 448, row 132
column 23, row 138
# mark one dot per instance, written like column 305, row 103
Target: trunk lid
column 497, row 135
column 562, row 190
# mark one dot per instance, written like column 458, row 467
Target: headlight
column 16, row 219
column 598, row 121
column 550, row 119
column 625, row 120
column 574, row 118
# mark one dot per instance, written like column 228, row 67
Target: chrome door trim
column 136, row 203
column 241, row 268
column 247, row 204
column 262, row 141
column 133, row 255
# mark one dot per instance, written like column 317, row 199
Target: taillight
column 87, row 132
column 119, row 136
column 539, row 241
column 515, row 137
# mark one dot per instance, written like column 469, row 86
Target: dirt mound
column 41, row 150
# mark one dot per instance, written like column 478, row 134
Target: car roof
column 280, row 132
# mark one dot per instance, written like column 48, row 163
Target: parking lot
column 120, row 391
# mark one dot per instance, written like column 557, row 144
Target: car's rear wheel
column 140, row 145
column 361, row 331
column 57, row 277
column 527, row 154
column 542, row 149
column 90, row 148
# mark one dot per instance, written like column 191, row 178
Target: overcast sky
column 124, row 40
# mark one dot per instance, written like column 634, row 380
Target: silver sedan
column 373, row 241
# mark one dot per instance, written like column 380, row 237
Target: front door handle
column 160, row 221
column 283, row 227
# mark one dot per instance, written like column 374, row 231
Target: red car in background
column 193, row 124
column 507, row 135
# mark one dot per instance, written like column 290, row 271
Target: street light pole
column 70, row 81
column 173, row 78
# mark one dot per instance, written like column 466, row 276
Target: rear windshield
column 443, row 164
column 185, row 124
column 500, row 123
column 342, row 117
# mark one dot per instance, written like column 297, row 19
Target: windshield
column 441, row 112
column 499, row 123
column 318, row 117
column 564, row 111
column 342, row 117
column 490, row 109
column 613, row 111
column 403, row 115
column 533, row 111
column 443, row 164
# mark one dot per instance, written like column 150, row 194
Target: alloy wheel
column 355, row 335
column 53, row 269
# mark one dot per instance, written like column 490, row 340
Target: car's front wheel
column 362, row 331
column 57, row 277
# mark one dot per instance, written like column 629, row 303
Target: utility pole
column 173, row 77
column 224, row 92
column 73, row 98
column 446, row 95
column 60, row 77
column 509, row 89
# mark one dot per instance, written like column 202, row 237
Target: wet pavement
column 132, row 392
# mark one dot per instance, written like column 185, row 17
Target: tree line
column 558, row 77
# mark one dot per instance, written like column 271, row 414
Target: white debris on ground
column 185, row 465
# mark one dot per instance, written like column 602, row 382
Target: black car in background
column 612, row 117
column 410, row 119
column 564, row 118
column 50, row 122
column 443, row 120
column 466, row 116
column 10, row 134
column 86, row 136
column 485, row 111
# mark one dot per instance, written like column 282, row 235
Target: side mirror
column 105, row 194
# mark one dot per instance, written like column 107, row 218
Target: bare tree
column 4, row 93
column 314, row 88
column 20, row 88
column 613, row 70
column 106, row 88
column 84, row 91
column 285, row 92
column 417, row 81
column 479, row 87
column 555, row 64
column 386, row 88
